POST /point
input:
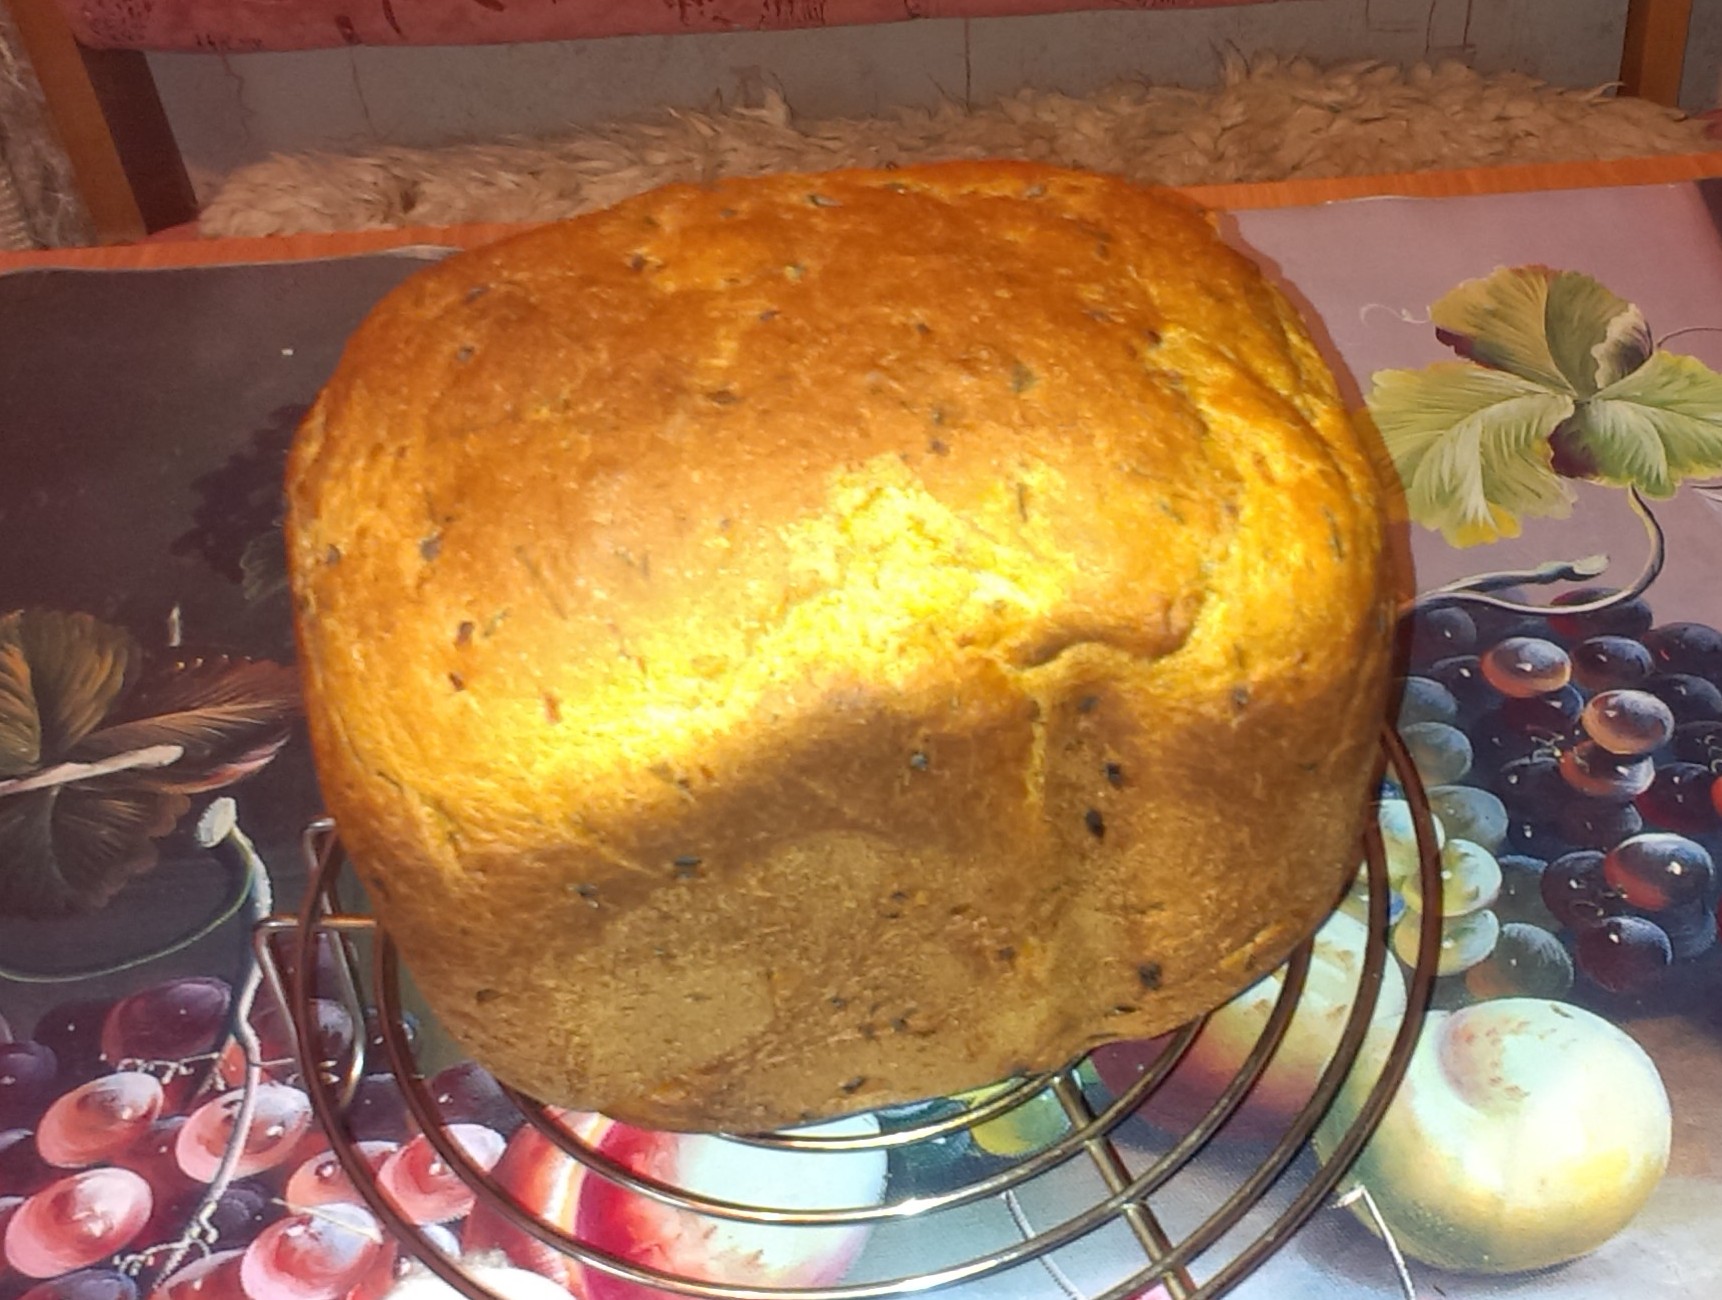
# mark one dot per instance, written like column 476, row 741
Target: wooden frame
column 104, row 107
column 1653, row 56
column 130, row 174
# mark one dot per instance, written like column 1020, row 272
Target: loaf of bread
column 806, row 643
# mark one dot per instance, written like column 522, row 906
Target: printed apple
column 684, row 1243
column 499, row 1279
column 546, row 1183
column 1526, row 1133
column 1225, row 1041
column 673, row 1239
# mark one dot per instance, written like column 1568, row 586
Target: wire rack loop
column 1092, row 1133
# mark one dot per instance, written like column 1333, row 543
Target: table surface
column 145, row 417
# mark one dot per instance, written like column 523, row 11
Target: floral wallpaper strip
column 311, row 24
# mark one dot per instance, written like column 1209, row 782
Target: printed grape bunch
column 1573, row 753
column 138, row 1158
column 163, row 1146
column 1572, row 762
column 119, row 1170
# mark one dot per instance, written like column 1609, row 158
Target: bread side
column 806, row 643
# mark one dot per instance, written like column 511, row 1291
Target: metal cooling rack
column 1122, row 1191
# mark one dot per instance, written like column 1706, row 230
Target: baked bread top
column 763, row 642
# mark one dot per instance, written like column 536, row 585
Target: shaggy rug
column 1268, row 119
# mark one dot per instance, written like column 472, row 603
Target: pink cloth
column 310, row 24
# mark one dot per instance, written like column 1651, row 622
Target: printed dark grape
column 213, row 1277
column 27, row 1074
column 1524, row 665
column 1462, row 675
column 1568, row 455
column 378, row 1112
column 22, row 1169
column 244, row 1209
column 1629, row 618
column 174, row 1193
column 1495, row 742
column 1527, row 962
column 1597, row 823
column 1690, row 699
column 1423, row 699
column 85, row 1284
column 1699, row 742
column 1494, row 624
column 1691, row 929
column 74, row 1031
column 1590, row 769
column 1553, row 717
column 173, row 1021
column 1610, row 663
column 1690, row 648
column 333, row 1034
column 1623, row 954
column 1535, row 839
column 1658, row 870
column 1521, row 898
column 1680, row 799
column 1576, row 890
column 1533, row 787
column 467, row 1093
column 1441, row 632
column 1630, row 722
column 376, row 1049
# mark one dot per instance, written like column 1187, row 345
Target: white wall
column 236, row 109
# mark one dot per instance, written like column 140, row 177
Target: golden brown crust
column 802, row 644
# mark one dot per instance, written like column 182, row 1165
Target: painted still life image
column 1548, row 397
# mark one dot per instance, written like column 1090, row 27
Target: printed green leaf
column 104, row 837
column 69, row 849
column 1559, row 329
column 75, row 667
column 99, row 749
column 20, row 728
column 1654, row 427
column 1470, row 445
column 30, row 880
column 229, row 715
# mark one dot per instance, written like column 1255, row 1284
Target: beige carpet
column 1268, row 119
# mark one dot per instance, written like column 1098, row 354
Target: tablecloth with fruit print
column 1540, row 368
